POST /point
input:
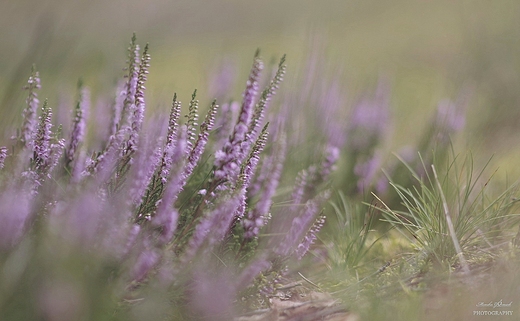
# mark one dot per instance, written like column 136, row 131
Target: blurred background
column 429, row 50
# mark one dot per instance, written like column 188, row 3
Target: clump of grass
column 450, row 216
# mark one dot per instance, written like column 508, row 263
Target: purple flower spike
column 191, row 123
column 42, row 140
column 367, row 172
column 370, row 120
column 29, row 113
column 256, row 217
column 144, row 171
column 127, row 113
column 310, row 238
column 171, row 140
column 138, row 113
column 78, row 126
column 214, row 225
column 202, row 140
column 328, row 165
column 227, row 160
column 3, row 156
column 265, row 98
column 300, row 225
column 249, row 168
column 117, row 108
column 166, row 215
column 224, row 123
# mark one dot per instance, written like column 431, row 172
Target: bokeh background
column 429, row 50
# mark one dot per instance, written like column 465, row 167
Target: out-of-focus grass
column 428, row 48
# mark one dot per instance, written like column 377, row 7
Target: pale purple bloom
column 300, row 225
column 117, row 108
column 200, row 144
column 329, row 163
column 191, row 123
column 108, row 157
column 367, row 171
column 138, row 112
column 450, row 118
column 248, row 170
column 131, row 240
column 331, row 103
column 83, row 218
column 57, row 147
column 146, row 165
column 173, row 121
column 146, row 261
column 233, row 152
column 171, row 140
column 42, row 139
column 3, row 156
column 214, row 225
column 370, row 120
column 267, row 184
column 222, row 79
column 300, row 185
column 79, row 124
column 224, row 124
column 127, row 113
column 29, row 113
column 166, row 215
column 211, row 294
column 60, row 299
column 310, row 237
column 263, row 103
column 15, row 209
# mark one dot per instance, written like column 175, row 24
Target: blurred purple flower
column 367, row 171
column 222, row 79
column 369, row 121
column 224, row 123
column 166, row 215
column 29, row 113
column 254, row 269
column 450, row 119
column 146, row 261
column 211, row 294
column 15, row 207
column 78, row 125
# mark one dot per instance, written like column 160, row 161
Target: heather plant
column 151, row 207
column 221, row 213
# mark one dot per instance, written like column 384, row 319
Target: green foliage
column 478, row 222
